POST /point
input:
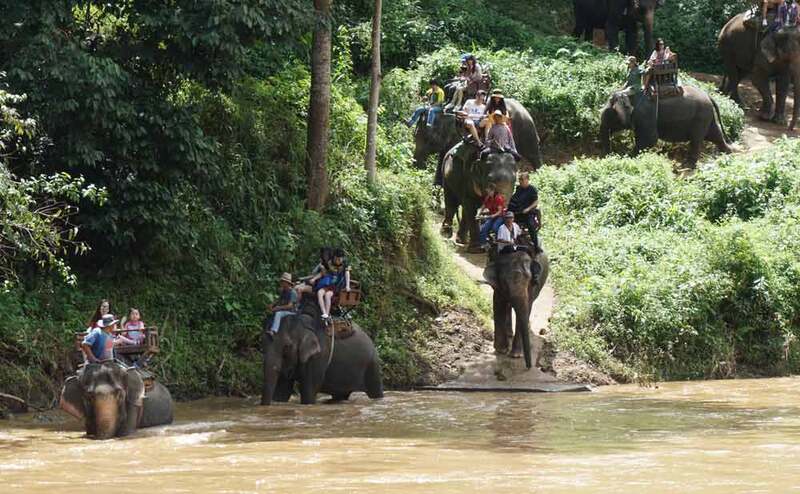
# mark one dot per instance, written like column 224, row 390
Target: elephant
column 743, row 56
column 464, row 181
column 517, row 279
column 445, row 134
column 693, row 116
column 301, row 352
column 113, row 402
column 616, row 15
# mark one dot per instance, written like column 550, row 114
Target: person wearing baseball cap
column 286, row 304
column 507, row 234
column 98, row 345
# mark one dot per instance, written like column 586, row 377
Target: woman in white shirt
column 473, row 113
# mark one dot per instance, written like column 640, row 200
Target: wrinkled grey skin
column 112, row 403
column 299, row 353
column 693, row 117
column 612, row 16
column 517, row 280
column 464, row 183
column 445, row 134
column 742, row 58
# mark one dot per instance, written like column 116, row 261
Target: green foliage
column 677, row 278
column 691, row 27
column 34, row 223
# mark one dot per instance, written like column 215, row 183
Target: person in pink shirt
column 134, row 329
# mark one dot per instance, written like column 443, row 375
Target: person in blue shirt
column 98, row 345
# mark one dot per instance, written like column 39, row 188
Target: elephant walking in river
column 112, row 400
column 301, row 352
column 692, row 116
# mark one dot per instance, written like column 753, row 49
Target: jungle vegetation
column 155, row 153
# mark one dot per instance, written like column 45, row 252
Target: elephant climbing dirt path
column 757, row 133
column 492, row 372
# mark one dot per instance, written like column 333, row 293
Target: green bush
column 674, row 277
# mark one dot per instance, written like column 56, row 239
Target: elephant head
column 436, row 139
column 502, row 172
column 107, row 396
column 287, row 352
column 615, row 116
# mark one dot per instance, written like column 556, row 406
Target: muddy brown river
column 704, row 437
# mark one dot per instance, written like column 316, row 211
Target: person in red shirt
column 494, row 205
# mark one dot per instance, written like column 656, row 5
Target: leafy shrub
column 690, row 277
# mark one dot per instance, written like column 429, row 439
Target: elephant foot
column 779, row 119
column 461, row 240
column 515, row 354
column 764, row 117
column 446, row 231
column 475, row 249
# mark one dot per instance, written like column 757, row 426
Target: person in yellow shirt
column 434, row 100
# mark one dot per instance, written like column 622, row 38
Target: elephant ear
column 490, row 274
column 308, row 347
column 135, row 388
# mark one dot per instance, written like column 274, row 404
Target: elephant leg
column 612, row 34
column 502, row 323
column 461, row 234
column 450, row 208
column 781, row 91
column 695, row 147
column 763, row 86
column 632, row 40
column 468, row 211
column 283, row 389
column 340, row 396
column 522, row 341
column 373, row 382
column 308, row 385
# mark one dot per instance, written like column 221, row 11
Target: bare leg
column 321, row 302
column 328, row 300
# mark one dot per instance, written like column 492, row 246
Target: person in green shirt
column 434, row 99
column 633, row 81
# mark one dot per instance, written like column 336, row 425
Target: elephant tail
column 718, row 120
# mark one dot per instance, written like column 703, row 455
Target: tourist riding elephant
column 517, row 279
column 692, row 116
column 445, row 134
column 301, row 352
column 615, row 16
column 777, row 57
column 112, row 401
column 465, row 180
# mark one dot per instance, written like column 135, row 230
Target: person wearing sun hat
column 286, row 304
column 507, row 234
column 98, row 345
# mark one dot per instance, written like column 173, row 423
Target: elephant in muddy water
column 112, row 401
column 743, row 56
column 301, row 352
column 517, row 279
column 464, row 183
column 614, row 16
column 445, row 134
column 692, row 116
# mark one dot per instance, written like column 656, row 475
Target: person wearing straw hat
column 98, row 345
column 286, row 304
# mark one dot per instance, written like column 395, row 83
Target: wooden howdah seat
column 665, row 79
column 149, row 346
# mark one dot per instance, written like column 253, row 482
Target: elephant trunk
column 105, row 415
column 522, row 327
column 270, row 381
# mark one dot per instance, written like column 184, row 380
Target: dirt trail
column 757, row 133
column 493, row 372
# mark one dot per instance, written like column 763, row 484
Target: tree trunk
column 374, row 95
column 319, row 107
